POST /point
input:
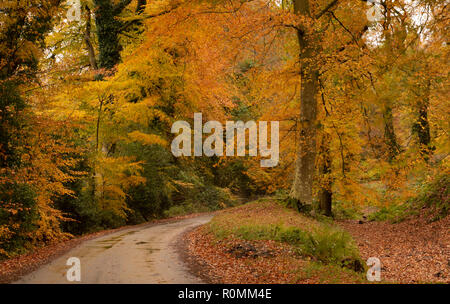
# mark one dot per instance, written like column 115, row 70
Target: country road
column 135, row 255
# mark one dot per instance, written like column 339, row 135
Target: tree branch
column 327, row 8
column 145, row 17
column 121, row 5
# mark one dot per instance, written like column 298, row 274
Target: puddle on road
column 152, row 250
column 109, row 243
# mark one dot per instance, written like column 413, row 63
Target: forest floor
column 413, row 251
column 236, row 247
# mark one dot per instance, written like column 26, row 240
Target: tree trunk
column 108, row 29
column 326, row 183
column 325, row 194
column 87, row 40
column 390, row 139
column 306, row 155
column 389, row 134
column 422, row 129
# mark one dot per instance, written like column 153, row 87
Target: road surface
column 135, row 255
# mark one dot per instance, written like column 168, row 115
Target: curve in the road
column 137, row 255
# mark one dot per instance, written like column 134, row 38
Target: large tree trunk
column 108, row 30
column 87, row 40
column 390, row 139
column 306, row 155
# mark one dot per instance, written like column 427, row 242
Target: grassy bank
column 277, row 245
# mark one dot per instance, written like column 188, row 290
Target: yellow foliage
column 147, row 139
